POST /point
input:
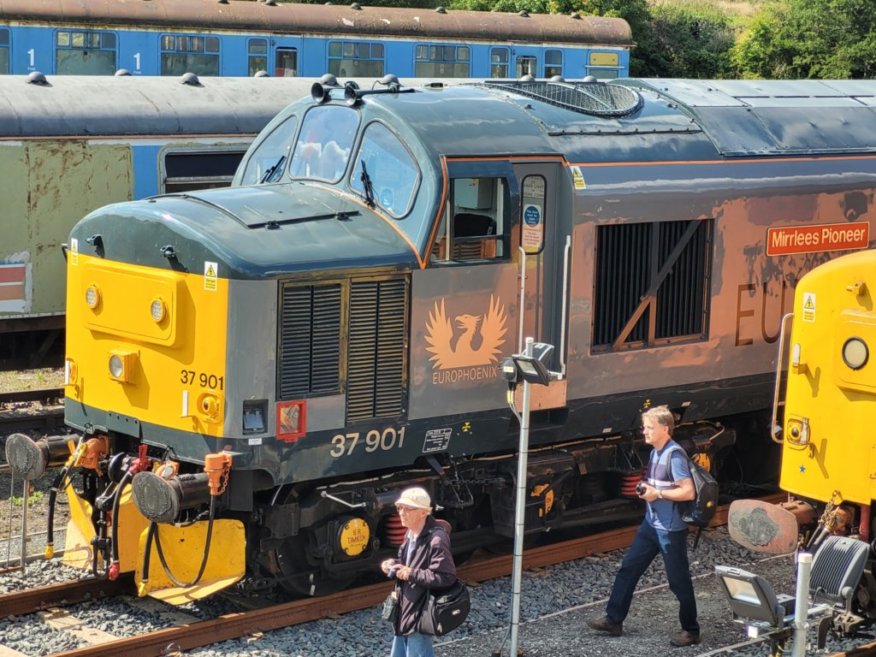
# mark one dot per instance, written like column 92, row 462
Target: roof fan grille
column 595, row 98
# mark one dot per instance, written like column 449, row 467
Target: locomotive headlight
column 92, row 296
column 855, row 353
column 158, row 310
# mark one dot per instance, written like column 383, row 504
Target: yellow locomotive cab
column 831, row 384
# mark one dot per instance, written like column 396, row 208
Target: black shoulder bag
column 445, row 609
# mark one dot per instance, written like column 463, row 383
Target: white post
column 801, row 605
column 520, row 510
column 25, row 491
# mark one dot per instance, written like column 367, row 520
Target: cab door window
column 475, row 224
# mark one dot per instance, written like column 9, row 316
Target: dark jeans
column 650, row 542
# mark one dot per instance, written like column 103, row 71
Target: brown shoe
column 685, row 638
column 605, row 624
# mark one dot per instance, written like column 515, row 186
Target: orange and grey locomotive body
column 256, row 371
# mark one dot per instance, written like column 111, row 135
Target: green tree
column 810, row 39
column 692, row 41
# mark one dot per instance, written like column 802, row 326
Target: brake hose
column 153, row 532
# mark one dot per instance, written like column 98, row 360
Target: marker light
column 92, row 296
column 158, row 310
column 855, row 353
column 121, row 365
column 116, row 366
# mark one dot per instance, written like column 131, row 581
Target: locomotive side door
column 544, row 225
column 466, row 305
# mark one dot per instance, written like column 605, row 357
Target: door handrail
column 775, row 429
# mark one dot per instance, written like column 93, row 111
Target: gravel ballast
column 555, row 604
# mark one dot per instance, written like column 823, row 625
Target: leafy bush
column 810, row 39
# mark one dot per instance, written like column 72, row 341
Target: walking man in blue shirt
column 661, row 532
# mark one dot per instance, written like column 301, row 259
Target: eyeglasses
column 406, row 509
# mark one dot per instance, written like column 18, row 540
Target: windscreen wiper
column 366, row 183
column 269, row 174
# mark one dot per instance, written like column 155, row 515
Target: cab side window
column 474, row 226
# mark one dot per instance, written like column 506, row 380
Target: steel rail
column 232, row 626
column 19, row 603
column 30, row 396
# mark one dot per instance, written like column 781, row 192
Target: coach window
column 324, row 143
column 356, row 59
column 527, row 65
column 286, row 63
column 189, row 54
column 4, row 51
column 268, row 161
column 85, row 52
column 499, row 58
column 603, row 65
column 188, row 170
column 385, row 171
column 553, row 63
column 257, row 51
column 652, row 284
column 474, row 226
column 442, row 61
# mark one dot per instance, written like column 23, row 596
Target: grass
column 31, row 379
column 733, row 8
column 35, row 497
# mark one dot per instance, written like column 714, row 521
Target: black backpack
column 699, row 511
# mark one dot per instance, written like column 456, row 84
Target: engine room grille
column 309, row 341
column 376, row 350
column 652, row 284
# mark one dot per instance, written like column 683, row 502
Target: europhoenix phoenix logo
column 466, row 349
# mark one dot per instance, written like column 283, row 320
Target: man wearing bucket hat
column 424, row 562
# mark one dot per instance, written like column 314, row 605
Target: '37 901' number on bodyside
column 344, row 444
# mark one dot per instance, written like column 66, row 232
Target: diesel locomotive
column 253, row 373
column 826, row 400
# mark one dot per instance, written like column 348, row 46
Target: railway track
column 31, row 410
column 196, row 634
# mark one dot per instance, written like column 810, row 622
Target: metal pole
column 25, row 491
column 520, row 510
column 801, row 604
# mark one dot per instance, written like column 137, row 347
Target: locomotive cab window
column 385, row 171
column 474, row 226
column 324, row 143
column 268, row 161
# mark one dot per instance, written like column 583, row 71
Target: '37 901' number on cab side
column 345, row 444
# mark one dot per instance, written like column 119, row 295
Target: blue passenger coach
column 236, row 38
